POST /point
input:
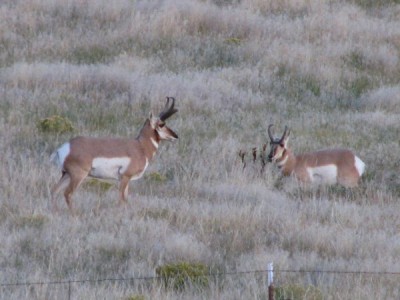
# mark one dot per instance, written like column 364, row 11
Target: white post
column 270, row 273
column 270, row 281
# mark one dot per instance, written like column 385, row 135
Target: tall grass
column 329, row 70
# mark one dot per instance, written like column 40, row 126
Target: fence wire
column 219, row 274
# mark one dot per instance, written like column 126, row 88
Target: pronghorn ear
column 153, row 120
column 285, row 141
column 285, row 137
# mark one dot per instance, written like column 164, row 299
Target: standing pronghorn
column 325, row 166
column 121, row 159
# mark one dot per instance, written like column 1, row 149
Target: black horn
column 169, row 110
column 271, row 136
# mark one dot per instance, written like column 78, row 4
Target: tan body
column 331, row 166
column 110, row 158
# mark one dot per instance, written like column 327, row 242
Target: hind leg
column 74, row 183
column 61, row 184
column 349, row 179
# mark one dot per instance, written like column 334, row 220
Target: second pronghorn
column 329, row 166
column 120, row 159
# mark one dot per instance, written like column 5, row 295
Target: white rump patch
column 109, row 168
column 360, row 165
column 58, row 157
column 323, row 174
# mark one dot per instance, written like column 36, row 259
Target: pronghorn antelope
column 325, row 166
column 121, row 159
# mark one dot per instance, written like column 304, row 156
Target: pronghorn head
column 158, row 123
column 278, row 145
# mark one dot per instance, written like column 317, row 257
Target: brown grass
column 330, row 71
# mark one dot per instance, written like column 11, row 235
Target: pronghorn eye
column 161, row 125
column 282, row 145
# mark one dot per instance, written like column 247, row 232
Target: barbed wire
column 218, row 274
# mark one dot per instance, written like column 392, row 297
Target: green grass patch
column 98, row 185
column 372, row 4
column 359, row 86
column 233, row 41
column 55, row 124
column 156, row 177
column 183, row 274
column 32, row 221
column 312, row 85
column 135, row 297
column 355, row 60
column 91, row 55
column 295, row 84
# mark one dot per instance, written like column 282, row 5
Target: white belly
column 109, row 168
column 324, row 174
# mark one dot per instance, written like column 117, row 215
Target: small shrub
column 356, row 60
column 233, row 41
column 369, row 175
column 359, row 86
column 179, row 275
column 295, row 292
column 135, row 297
column 156, row 177
column 98, row 185
column 313, row 86
column 55, row 124
column 92, row 55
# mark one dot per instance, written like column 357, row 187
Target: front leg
column 123, row 188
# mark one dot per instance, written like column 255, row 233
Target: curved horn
column 271, row 136
column 169, row 110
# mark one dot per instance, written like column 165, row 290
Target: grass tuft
column 55, row 124
column 135, row 297
column 98, row 185
column 155, row 177
column 92, row 55
column 327, row 69
column 359, row 86
column 181, row 275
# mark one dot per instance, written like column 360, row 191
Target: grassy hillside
column 330, row 70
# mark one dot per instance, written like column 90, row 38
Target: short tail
column 360, row 165
column 58, row 156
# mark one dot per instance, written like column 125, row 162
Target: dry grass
column 328, row 69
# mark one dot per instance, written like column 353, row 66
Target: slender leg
column 62, row 183
column 74, row 183
column 123, row 189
